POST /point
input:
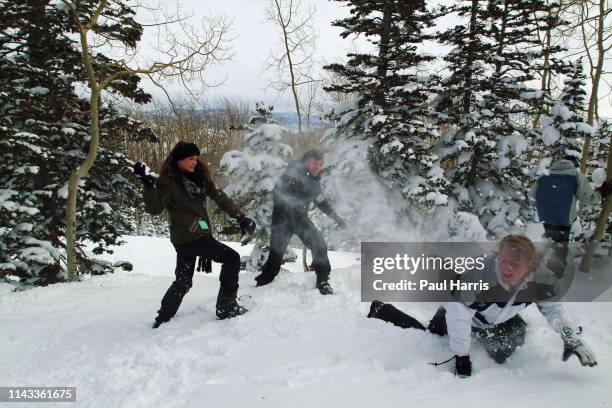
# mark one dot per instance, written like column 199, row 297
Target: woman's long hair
column 201, row 171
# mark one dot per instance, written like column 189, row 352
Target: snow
column 395, row 145
column 39, row 91
column 408, row 87
column 27, row 169
column 272, row 131
column 550, row 135
column 342, row 107
column 294, row 348
column 531, row 94
column 562, row 111
column 513, row 145
column 599, row 176
column 63, row 191
column 436, row 198
column 37, row 254
column 585, row 128
column 379, row 119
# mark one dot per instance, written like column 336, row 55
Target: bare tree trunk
column 546, row 73
column 73, row 183
column 602, row 223
column 293, row 85
column 467, row 96
column 595, row 77
column 304, row 261
column 592, row 114
column 385, row 37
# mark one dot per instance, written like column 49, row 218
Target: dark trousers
column 499, row 341
column 186, row 254
column 560, row 235
column 285, row 224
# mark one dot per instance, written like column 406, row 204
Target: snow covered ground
column 295, row 348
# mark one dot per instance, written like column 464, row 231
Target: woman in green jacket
column 182, row 188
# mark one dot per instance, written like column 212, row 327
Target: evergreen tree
column 255, row 171
column 486, row 101
column 392, row 108
column 564, row 131
column 44, row 132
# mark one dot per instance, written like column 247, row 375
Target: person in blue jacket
column 556, row 194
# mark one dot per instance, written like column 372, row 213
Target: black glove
column 463, row 366
column 573, row 345
column 339, row 221
column 140, row 169
column 605, row 189
column 247, row 226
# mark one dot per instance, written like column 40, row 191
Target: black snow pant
column 207, row 247
column 286, row 223
column 499, row 341
column 560, row 235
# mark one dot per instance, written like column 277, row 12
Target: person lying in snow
column 292, row 195
column 493, row 315
column 182, row 188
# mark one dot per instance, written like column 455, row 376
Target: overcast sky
column 253, row 38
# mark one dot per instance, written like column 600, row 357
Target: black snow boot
column 324, row 287
column 375, row 309
column 230, row 310
column 390, row 314
column 227, row 307
column 158, row 321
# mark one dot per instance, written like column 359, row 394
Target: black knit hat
column 183, row 150
column 573, row 159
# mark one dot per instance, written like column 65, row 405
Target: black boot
column 390, row 314
column 227, row 306
column 375, row 308
column 159, row 320
column 324, row 287
column 230, row 310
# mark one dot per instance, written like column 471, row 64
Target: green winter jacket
column 185, row 211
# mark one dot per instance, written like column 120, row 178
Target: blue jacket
column 556, row 194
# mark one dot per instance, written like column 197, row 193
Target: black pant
column 285, row 223
column 186, row 254
column 499, row 341
column 560, row 235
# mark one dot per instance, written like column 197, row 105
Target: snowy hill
column 295, row 348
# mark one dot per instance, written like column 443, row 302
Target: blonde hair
column 523, row 246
